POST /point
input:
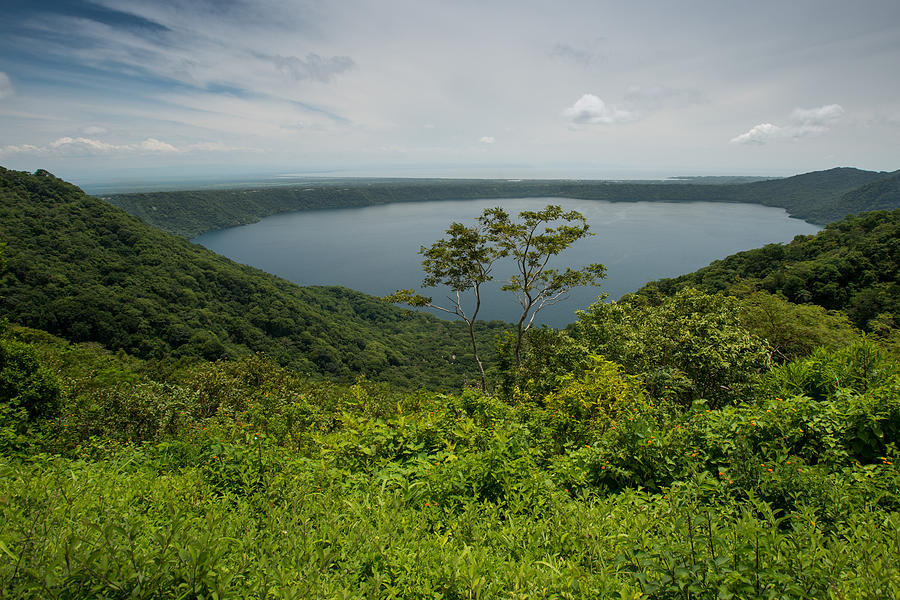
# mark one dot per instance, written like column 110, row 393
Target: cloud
column 591, row 110
column 759, row 134
column 817, row 117
column 6, row 88
column 94, row 130
column 802, row 122
column 154, row 145
column 487, row 139
column 313, row 66
column 82, row 146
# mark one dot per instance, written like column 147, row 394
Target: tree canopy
column 464, row 261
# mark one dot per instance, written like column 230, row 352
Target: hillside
column 239, row 479
column 818, row 197
column 87, row 271
column 852, row 265
column 883, row 194
column 664, row 446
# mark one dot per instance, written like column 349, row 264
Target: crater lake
column 375, row 249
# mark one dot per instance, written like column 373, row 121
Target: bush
column 25, row 383
column 689, row 346
column 143, row 412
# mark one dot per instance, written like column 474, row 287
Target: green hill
column 852, row 265
column 693, row 466
column 818, row 197
column 883, row 194
column 85, row 270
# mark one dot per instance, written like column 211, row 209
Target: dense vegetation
column 818, row 197
column 679, row 445
column 83, row 269
column 243, row 479
column 852, row 265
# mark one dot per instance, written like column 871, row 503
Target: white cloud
column 487, row 139
column 94, row 130
column 760, row 134
column 154, row 145
column 591, row 110
column 82, row 146
column 820, row 116
column 6, row 88
column 802, row 122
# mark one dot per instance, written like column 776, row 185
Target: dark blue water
column 375, row 249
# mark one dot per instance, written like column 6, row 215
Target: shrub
column 25, row 383
column 689, row 346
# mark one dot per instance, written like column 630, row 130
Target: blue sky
column 94, row 89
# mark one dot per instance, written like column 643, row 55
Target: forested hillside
column 852, row 265
column 883, row 194
column 684, row 444
column 88, row 271
column 818, row 197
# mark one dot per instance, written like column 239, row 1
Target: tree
column 685, row 347
column 464, row 260
column 461, row 262
column 535, row 284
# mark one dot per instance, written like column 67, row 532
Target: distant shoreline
column 818, row 198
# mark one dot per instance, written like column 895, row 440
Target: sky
column 103, row 89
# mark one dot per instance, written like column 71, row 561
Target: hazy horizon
column 172, row 181
column 96, row 90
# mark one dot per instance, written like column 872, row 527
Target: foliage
column 684, row 347
column 588, row 407
column 463, row 263
column 793, row 330
column 585, row 477
column 25, row 383
column 531, row 243
column 87, row 271
column 861, row 367
column 267, row 483
column 851, row 266
column 547, row 356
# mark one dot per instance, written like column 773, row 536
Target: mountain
column 83, row 269
column 883, row 194
column 819, row 197
column 852, row 265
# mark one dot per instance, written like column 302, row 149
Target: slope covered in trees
column 818, row 197
column 852, row 265
column 83, row 269
column 883, row 194
column 688, row 445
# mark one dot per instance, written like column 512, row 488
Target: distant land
column 818, row 197
column 169, row 183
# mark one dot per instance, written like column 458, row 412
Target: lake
column 375, row 249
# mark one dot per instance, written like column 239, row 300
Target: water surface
column 375, row 249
